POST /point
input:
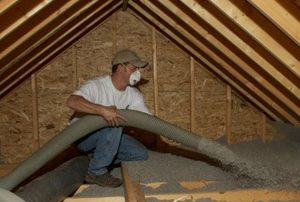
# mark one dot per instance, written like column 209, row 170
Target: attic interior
column 225, row 70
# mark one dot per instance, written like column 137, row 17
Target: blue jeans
column 110, row 146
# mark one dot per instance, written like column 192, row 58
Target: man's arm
column 109, row 113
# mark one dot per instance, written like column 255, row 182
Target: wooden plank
column 250, row 20
column 35, row 116
column 16, row 11
column 279, row 14
column 125, row 5
column 154, row 63
column 193, row 94
column 94, row 199
column 74, row 67
column 241, row 65
column 29, row 33
column 55, row 40
column 220, row 61
column 228, row 114
column 196, row 53
column 6, row 4
column 206, row 15
column 13, row 26
column 263, row 128
column 132, row 189
column 245, row 195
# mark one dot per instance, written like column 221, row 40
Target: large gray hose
column 135, row 119
column 57, row 184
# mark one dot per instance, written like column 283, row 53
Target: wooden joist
column 133, row 192
column 204, row 61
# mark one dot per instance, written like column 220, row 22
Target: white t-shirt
column 101, row 90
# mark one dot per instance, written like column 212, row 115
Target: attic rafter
column 15, row 47
column 17, row 27
column 240, row 64
column 207, row 64
column 6, row 28
column 52, row 26
column 58, row 41
column 208, row 17
column 125, row 5
column 239, row 12
column 6, row 4
column 280, row 16
column 225, row 66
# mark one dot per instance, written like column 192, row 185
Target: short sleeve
column 88, row 91
column 139, row 103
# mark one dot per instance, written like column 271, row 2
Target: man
column 103, row 96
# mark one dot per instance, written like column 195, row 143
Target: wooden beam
column 241, row 66
column 63, row 34
column 193, row 94
column 6, row 4
column 35, row 111
column 74, row 68
column 263, row 128
column 42, row 54
column 125, row 5
column 24, row 27
column 251, row 21
column 18, row 12
column 133, row 192
column 196, row 53
column 220, row 61
column 228, row 114
column 208, row 16
column 96, row 199
column 279, row 14
column 245, row 195
column 154, row 63
column 13, row 51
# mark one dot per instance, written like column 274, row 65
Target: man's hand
column 111, row 116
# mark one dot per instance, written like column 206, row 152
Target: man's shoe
column 104, row 180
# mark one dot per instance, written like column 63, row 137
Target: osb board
column 210, row 113
column 174, row 107
column 94, row 52
column 16, row 132
column 54, row 86
column 210, row 104
column 246, row 121
column 173, row 77
column 136, row 35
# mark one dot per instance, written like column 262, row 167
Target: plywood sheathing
column 17, row 141
column 54, row 86
column 91, row 56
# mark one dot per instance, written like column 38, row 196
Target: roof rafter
column 280, row 16
column 224, row 64
column 57, row 43
column 240, row 64
column 202, row 12
column 183, row 42
column 240, row 12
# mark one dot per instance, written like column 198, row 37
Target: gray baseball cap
column 130, row 56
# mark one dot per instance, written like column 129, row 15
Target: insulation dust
column 276, row 163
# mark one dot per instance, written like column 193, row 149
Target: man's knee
column 143, row 155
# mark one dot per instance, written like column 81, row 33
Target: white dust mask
column 135, row 77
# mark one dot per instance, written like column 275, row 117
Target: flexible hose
column 57, row 184
column 135, row 119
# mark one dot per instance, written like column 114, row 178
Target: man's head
column 127, row 56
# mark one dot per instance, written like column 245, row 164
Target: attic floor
column 170, row 177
